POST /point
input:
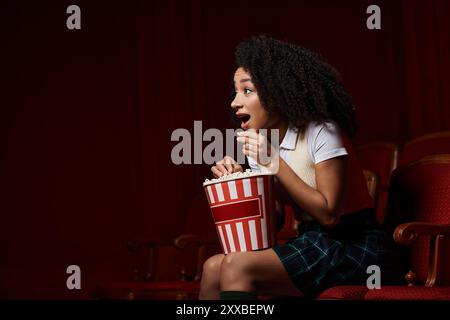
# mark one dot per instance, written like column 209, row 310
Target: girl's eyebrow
column 244, row 80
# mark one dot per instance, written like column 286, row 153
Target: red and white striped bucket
column 243, row 211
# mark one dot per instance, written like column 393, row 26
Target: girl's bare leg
column 256, row 271
column 210, row 282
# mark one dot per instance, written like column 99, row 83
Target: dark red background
column 86, row 116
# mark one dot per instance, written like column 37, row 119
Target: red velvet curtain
column 426, row 30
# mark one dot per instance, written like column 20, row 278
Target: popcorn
column 233, row 176
column 242, row 206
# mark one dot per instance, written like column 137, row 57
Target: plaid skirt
column 319, row 258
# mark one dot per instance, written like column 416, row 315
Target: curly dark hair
column 296, row 83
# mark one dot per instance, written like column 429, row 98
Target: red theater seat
column 418, row 217
column 419, row 211
column 344, row 293
column 426, row 145
column 409, row 293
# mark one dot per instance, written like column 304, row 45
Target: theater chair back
column 426, row 145
column 380, row 158
column 420, row 192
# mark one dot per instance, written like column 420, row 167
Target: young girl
column 286, row 87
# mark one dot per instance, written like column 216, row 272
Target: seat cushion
column 153, row 285
column 344, row 292
column 409, row 293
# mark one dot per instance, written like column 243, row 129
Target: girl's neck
column 282, row 127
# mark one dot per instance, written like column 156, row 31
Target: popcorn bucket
column 242, row 206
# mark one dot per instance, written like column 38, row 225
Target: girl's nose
column 236, row 104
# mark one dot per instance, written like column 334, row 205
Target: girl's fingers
column 237, row 167
column 216, row 172
column 256, row 146
column 249, row 153
column 225, row 166
column 228, row 159
column 252, row 148
column 249, row 134
column 222, row 169
column 229, row 163
column 248, row 140
column 228, row 167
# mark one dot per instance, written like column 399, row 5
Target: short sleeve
column 324, row 142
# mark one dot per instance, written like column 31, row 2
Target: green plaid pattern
column 319, row 258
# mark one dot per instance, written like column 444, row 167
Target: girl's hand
column 226, row 166
column 259, row 148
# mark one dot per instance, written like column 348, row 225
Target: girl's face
column 247, row 106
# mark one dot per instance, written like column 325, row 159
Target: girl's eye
column 247, row 90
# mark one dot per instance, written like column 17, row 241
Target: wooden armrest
column 201, row 242
column 407, row 233
column 152, row 244
column 179, row 242
column 187, row 239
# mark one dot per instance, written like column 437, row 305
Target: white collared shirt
column 323, row 141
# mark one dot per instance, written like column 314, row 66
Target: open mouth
column 244, row 118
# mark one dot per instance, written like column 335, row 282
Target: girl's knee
column 210, row 285
column 236, row 273
column 212, row 265
column 235, row 265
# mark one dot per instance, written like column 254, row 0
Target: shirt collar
column 290, row 139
